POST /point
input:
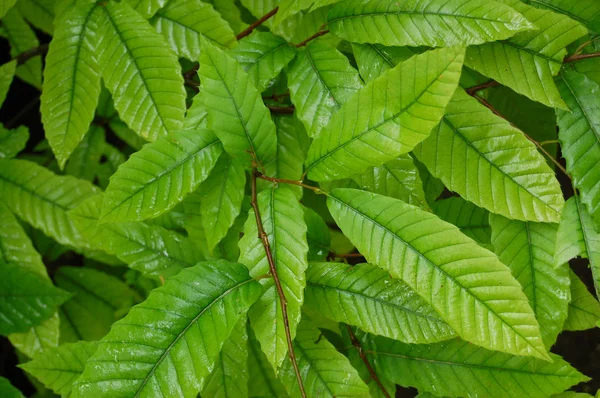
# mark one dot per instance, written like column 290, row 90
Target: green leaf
column 288, row 8
column 435, row 23
column 222, row 196
column 527, row 61
column 235, row 109
column 179, row 329
column 263, row 55
column 325, row 372
column 7, row 73
column 317, row 235
column 71, row 80
column 85, row 160
column 374, row 59
column 398, row 178
column 12, row 141
column 283, row 223
column 230, row 12
column 320, row 80
column 128, row 135
column 230, row 375
column 27, row 299
column 182, row 22
column 366, row 296
column 39, row 338
column 584, row 309
column 462, row 369
column 366, row 131
column 98, row 300
column 58, row 368
column 518, row 184
column 147, row 76
column 442, row 265
column 152, row 250
column 6, row 5
column 196, row 117
column 432, row 187
column 262, row 380
column 7, row 390
column 470, row 219
column 579, row 134
column 146, row 8
column 155, row 179
column 41, row 198
column 22, row 38
column 586, row 12
column 40, row 13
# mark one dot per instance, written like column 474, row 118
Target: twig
column 276, row 97
column 256, row 24
column 32, row 52
column 289, row 110
column 291, row 182
column 549, row 142
column 473, row 90
column 346, row 255
column 580, row 57
column 318, row 34
column 265, row 242
column 365, row 360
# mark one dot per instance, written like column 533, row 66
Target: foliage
column 303, row 198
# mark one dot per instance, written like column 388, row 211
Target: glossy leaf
column 38, row 338
column 470, row 219
column 40, row 13
column 22, row 38
column 317, row 235
column 434, row 23
column 158, row 177
column 584, row 309
column 85, row 160
column 7, row 73
column 15, row 245
column 586, row 12
column 442, row 265
column 145, row 351
column 12, row 141
column 518, row 183
column 374, row 59
column 386, row 118
column 147, row 8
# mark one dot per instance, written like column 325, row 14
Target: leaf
column 6, row 5
column 462, row 369
column 7, row 73
column 398, row 178
column 42, row 198
column 586, row 12
column 230, row 12
column 263, row 55
column 59, row 367
column 320, row 80
column 12, row 141
column 230, row 375
column 147, row 8
column 579, row 134
column 222, row 195
column 367, row 297
column 366, row 131
column 518, row 184
column 470, row 219
column 148, row 77
column 262, row 380
column 317, row 235
column 374, row 59
column 288, row 8
column 235, row 109
column 325, row 372
column 156, row 178
column 584, row 309
column 442, row 266
column 432, row 187
column 527, row 61
column 128, row 135
column 85, row 160
column 179, row 329
column 283, row 223
column 152, row 250
column 98, row 300
column 196, row 117
column 435, row 23
column 22, row 38
column 27, row 299
column 40, row 13
column 71, row 80
column 8, row 390
column 182, row 22
column 38, row 338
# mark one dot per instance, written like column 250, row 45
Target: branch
column 32, row 52
column 365, row 360
column 256, row 24
column 277, row 97
column 473, row 90
column 282, row 109
column 291, row 182
column 265, row 242
column 580, row 57
column 316, row 35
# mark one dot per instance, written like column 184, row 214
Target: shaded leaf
column 12, row 141
column 586, row 12
column 374, row 59
column 40, row 13
column 85, row 160
column 470, row 219
column 8, row 390
column 39, row 338
column 317, row 235
column 22, row 38
column 584, row 309
column 7, row 73
column 262, row 381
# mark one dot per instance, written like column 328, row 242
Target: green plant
column 346, row 197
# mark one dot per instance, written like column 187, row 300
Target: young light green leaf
column 15, row 245
column 12, row 141
column 182, row 22
column 435, row 23
column 374, row 59
column 263, row 55
column 586, row 12
column 388, row 117
column 442, row 265
column 40, row 13
column 7, row 73
column 317, row 235
column 235, row 109
column 325, row 372
column 519, row 183
column 85, row 159
column 579, row 134
column 27, row 299
column 147, row 8
column 584, row 309
column 464, row 370
column 366, row 296
column 527, row 61
column 149, row 77
column 320, row 80
column 42, row 198
column 288, row 8
column 470, row 219
column 7, row 390
column 283, row 223
column 39, row 338
column 156, row 178
column 262, row 380
column 71, row 80
column 58, row 368
column 179, row 329
column 22, row 38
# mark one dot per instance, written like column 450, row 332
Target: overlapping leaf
column 472, row 142
column 584, row 309
column 388, row 117
column 147, row 8
column 317, row 235
column 85, row 159
column 374, row 59
column 470, row 219
column 12, row 141
column 40, row 13
column 38, row 338
column 443, row 266
column 8, row 390
column 7, row 73
column 434, row 23
column 22, row 38
column 178, row 330
column 586, row 12
column 263, row 379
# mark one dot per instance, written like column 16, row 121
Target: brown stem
column 365, row 360
column 273, row 270
column 256, row 24
column 32, row 52
column 276, row 97
column 288, row 110
column 291, row 182
column 473, row 90
column 580, row 57
column 347, row 255
column 318, row 34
